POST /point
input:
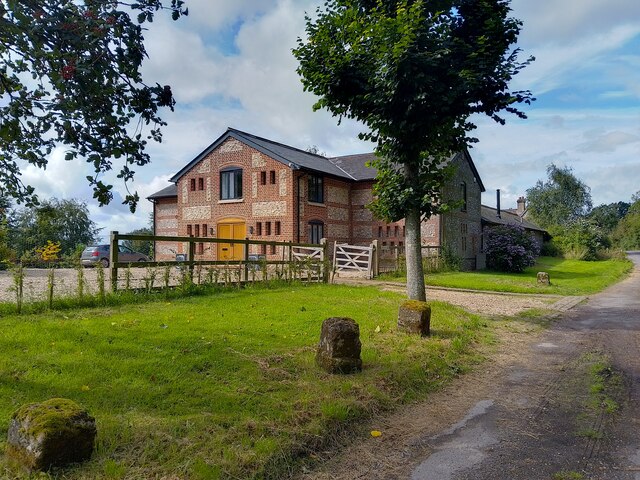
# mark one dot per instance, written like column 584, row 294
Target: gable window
column 316, row 189
column 192, row 184
column 316, row 231
column 463, row 193
column 231, row 184
column 263, row 178
column 272, row 177
column 200, row 183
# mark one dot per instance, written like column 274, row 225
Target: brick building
column 244, row 186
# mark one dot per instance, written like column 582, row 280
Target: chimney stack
column 498, row 214
column 522, row 204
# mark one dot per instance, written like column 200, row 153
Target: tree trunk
column 413, row 243
column 413, row 253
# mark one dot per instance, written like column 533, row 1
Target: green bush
column 550, row 249
column 581, row 240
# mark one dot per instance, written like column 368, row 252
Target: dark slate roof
column 348, row 167
column 356, row 166
column 167, row 192
column 490, row 215
column 292, row 157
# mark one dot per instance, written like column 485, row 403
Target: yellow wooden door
column 231, row 251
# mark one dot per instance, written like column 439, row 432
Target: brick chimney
column 522, row 202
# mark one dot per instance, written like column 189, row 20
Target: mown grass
column 223, row 386
column 568, row 277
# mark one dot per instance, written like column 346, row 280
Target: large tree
column 559, row 201
column 70, row 75
column 413, row 71
column 607, row 216
column 64, row 221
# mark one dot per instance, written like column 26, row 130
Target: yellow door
column 231, row 251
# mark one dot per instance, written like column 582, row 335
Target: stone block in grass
column 543, row 278
column 414, row 317
column 54, row 433
column 339, row 348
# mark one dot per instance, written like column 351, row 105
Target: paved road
column 539, row 421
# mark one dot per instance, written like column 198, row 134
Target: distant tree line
column 562, row 205
column 25, row 230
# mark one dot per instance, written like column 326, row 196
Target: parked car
column 100, row 253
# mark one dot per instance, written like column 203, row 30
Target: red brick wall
column 281, row 196
column 268, row 203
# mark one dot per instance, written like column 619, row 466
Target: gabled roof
column 490, row 215
column 292, row 157
column 347, row 167
column 167, row 192
column 356, row 166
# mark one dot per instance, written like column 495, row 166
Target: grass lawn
column 568, row 277
column 223, row 386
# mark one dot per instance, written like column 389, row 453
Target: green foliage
column 191, row 387
column 63, row 221
column 580, row 240
column 413, row 72
column 550, row 249
column 70, row 75
column 142, row 246
column 608, row 216
column 627, row 233
column 560, row 200
column 7, row 254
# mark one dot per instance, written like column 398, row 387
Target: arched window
column 316, row 231
column 231, row 183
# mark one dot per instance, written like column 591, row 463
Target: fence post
column 246, row 260
column 192, row 254
column 113, row 260
column 325, row 260
column 290, row 266
column 376, row 258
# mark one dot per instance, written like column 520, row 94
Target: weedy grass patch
column 222, row 386
column 568, row 277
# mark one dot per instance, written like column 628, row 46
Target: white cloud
column 564, row 22
column 249, row 82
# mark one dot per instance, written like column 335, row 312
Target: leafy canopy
column 70, row 75
column 561, row 200
column 66, row 222
column 413, row 72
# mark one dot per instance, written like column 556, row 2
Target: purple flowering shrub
column 510, row 248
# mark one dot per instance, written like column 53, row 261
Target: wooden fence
column 296, row 257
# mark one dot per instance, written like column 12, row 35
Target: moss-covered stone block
column 56, row 432
column 339, row 348
column 414, row 317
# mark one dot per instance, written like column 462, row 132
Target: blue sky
column 230, row 64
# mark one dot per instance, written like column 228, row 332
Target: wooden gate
column 353, row 259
